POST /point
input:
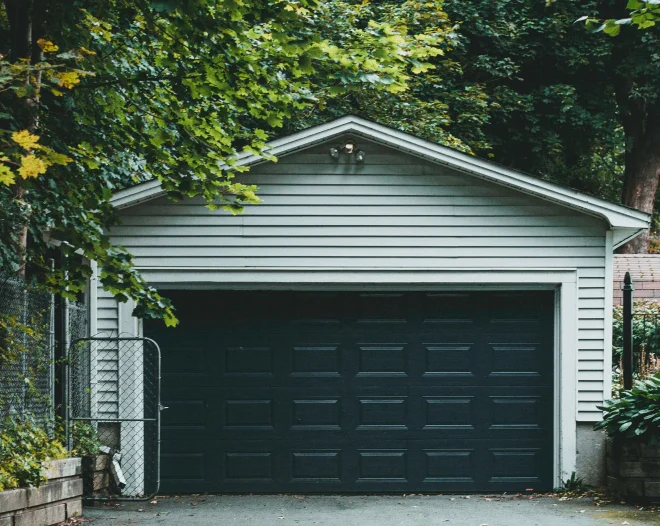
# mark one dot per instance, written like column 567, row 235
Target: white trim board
column 625, row 222
column 564, row 282
column 227, row 277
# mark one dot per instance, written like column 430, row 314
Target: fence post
column 627, row 331
column 65, row 371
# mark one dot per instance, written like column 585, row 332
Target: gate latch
column 162, row 407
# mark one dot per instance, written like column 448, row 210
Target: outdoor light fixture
column 350, row 148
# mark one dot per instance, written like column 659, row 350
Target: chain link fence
column 27, row 347
column 26, row 350
column 114, row 408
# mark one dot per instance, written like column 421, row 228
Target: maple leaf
column 25, row 139
column 7, row 177
column 31, row 166
column 47, row 46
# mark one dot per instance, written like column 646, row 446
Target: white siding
column 394, row 211
column 107, row 358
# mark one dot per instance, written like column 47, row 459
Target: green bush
column 636, row 413
column 85, row 439
column 646, row 340
column 24, row 448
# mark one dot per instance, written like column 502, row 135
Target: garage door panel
column 455, row 412
column 392, row 465
column 400, row 391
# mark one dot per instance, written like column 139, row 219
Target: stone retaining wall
column 57, row 500
column 633, row 470
column 97, row 481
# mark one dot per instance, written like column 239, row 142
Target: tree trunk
column 20, row 17
column 642, row 174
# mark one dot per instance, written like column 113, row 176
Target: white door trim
column 563, row 281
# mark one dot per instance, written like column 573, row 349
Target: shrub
column 636, row 413
column 85, row 439
column 646, row 340
column 24, row 448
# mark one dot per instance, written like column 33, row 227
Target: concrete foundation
column 591, row 454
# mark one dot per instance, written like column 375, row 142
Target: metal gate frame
column 103, row 477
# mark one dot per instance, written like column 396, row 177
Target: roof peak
column 626, row 222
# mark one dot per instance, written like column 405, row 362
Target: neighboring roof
column 625, row 222
column 645, row 272
column 642, row 267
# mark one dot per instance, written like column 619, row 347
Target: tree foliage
column 173, row 91
column 438, row 106
column 641, row 14
column 521, row 83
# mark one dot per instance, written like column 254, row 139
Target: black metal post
column 627, row 331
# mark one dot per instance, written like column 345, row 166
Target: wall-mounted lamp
column 349, row 147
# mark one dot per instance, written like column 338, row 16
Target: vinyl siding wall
column 107, row 362
column 393, row 211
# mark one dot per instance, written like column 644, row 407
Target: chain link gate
column 113, row 401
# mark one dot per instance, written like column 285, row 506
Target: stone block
column 613, row 484
column 7, row 521
column 45, row 516
column 628, row 451
column 652, row 488
column 639, row 469
column 101, row 480
column 95, row 463
column 53, row 491
column 59, row 469
column 650, row 451
column 102, row 462
column 74, row 508
column 13, row 499
column 612, row 466
column 632, row 488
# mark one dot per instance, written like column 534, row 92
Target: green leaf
column 624, row 427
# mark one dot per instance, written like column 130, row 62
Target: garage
column 407, row 319
column 311, row 391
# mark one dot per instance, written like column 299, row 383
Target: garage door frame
column 564, row 282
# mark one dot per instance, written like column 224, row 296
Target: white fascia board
column 616, row 215
column 620, row 236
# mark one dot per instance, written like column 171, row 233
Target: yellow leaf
column 47, row 46
column 67, row 79
column 31, row 166
column 86, row 51
column 56, row 92
column 6, row 175
column 25, row 139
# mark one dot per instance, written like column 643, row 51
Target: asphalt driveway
column 418, row 510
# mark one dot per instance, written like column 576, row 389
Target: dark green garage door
column 357, row 392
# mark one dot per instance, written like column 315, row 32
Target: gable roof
column 625, row 222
